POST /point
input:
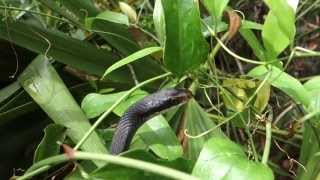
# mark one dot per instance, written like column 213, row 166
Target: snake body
column 142, row 111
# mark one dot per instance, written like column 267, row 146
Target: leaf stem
column 106, row 113
column 41, row 166
column 267, row 145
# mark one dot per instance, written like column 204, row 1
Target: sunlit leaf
column 133, row 57
column 223, row 159
column 216, row 8
column 288, row 84
column 44, row 85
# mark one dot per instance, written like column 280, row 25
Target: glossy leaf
column 197, row 122
column 216, row 8
column 44, row 85
column 223, row 159
column 271, row 31
column 95, row 104
column 288, row 84
column 279, row 25
column 161, row 139
column 129, row 59
column 185, row 47
column 48, row 145
column 285, row 16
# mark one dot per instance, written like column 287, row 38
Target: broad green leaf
column 95, row 104
column 79, row 54
column 112, row 171
column 279, row 25
column 284, row 15
column 110, row 16
column 48, row 145
column 44, row 85
column 216, row 8
column 313, row 85
column 223, row 159
column 286, row 83
column 161, row 138
column 197, row 122
column 159, row 22
column 129, row 59
column 185, row 47
column 271, row 31
column 254, row 43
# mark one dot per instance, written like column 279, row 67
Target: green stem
column 33, row 12
column 123, row 161
column 267, row 145
column 106, row 113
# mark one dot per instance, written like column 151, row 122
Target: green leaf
column 271, row 31
column 161, row 138
column 95, row 104
column 112, row 171
column 109, row 16
column 118, row 36
column 133, row 57
column 44, row 85
column 285, row 16
column 254, row 43
column 263, row 97
column 48, row 145
column 79, row 54
column 223, row 159
column 279, row 25
column 286, row 83
column 309, row 149
column 185, row 47
column 216, row 8
column 159, row 22
column 197, row 122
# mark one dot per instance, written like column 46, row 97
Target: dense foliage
column 72, row 68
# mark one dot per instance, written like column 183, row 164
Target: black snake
column 143, row 110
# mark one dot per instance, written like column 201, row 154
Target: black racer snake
column 142, row 111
